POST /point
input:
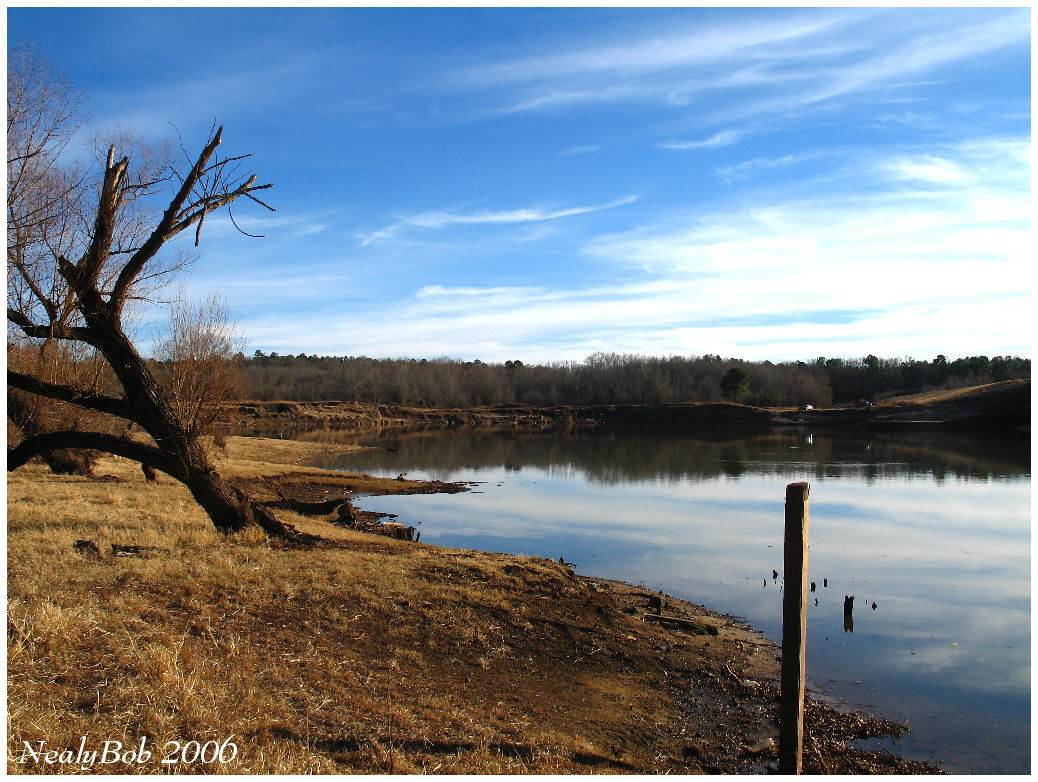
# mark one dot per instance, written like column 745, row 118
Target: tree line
column 610, row 378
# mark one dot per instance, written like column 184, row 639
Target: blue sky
column 540, row 184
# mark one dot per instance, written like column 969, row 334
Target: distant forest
column 610, row 378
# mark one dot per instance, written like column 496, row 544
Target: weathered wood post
column 794, row 631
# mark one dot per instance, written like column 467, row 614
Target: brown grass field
column 359, row 655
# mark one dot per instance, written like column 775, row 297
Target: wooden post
column 794, row 631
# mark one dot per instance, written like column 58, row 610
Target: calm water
column 929, row 532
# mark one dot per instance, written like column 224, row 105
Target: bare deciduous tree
column 72, row 271
column 199, row 362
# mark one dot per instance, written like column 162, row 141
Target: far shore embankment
column 1001, row 406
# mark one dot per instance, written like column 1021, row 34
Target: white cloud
column 722, row 138
column 444, row 219
column 750, row 168
column 438, row 220
column 583, row 150
column 917, row 51
column 566, row 325
column 930, row 169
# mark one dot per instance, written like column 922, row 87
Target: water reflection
column 934, row 528
column 613, row 459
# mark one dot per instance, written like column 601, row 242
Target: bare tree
column 198, row 362
column 73, row 270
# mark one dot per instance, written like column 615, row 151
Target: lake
column 928, row 530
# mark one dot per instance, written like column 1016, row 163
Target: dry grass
column 267, row 456
column 317, row 661
column 124, row 648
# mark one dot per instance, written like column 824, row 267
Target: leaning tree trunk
column 186, row 458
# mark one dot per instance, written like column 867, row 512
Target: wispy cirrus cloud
column 444, row 219
column 894, row 57
column 722, row 138
column 671, row 51
column 747, row 169
column 586, row 149
column 928, row 234
column 781, row 63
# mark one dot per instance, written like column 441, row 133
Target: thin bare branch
column 216, row 202
column 235, row 224
column 261, row 203
column 198, row 229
